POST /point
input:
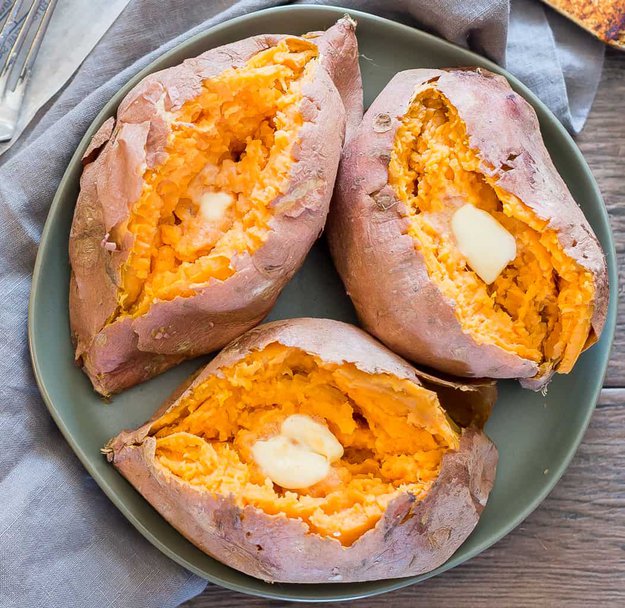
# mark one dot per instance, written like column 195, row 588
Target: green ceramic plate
column 536, row 435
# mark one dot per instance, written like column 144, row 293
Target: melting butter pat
column 487, row 246
column 300, row 456
column 214, row 205
column 288, row 464
column 312, row 435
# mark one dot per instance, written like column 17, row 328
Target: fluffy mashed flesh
column 394, row 434
column 540, row 306
column 228, row 157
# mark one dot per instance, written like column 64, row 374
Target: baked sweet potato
column 200, row 200
column 458, row 241
column 307, row 452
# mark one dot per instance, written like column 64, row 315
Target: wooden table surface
column 571, row 550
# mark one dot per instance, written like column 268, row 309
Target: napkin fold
column 62, row 543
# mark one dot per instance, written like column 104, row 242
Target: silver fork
column 20, row 39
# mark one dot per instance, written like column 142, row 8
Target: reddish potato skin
column 411, row 538
column 127, row 351
column 383, row 272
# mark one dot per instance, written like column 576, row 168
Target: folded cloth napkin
column 62, row 543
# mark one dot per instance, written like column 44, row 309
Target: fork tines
column 23, row 25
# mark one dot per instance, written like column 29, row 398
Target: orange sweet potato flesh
column 201, row 198
column 235, row 138
column 432, row 142
column 405, row 462
column 207, row 439
column 540, row 306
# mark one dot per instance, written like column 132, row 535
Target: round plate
column 536, row 435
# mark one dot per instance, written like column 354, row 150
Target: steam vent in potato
column 200, row 200
column 457, row 240
column 307, row 452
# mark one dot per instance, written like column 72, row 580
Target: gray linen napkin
column 62, row 543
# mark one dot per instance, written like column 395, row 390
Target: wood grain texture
column 571, row 550
column 603, row 144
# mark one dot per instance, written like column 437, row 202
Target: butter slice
column 314, row 436
column 487, row 246
column 289, row 465
column 214, row 205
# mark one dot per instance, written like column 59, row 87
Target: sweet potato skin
column 383, row 272
column 411, row 538
column 127, row 351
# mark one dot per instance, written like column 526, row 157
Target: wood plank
column 612, row 397
column 603, row 144
column 569, row 552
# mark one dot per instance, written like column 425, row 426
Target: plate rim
column 386, row 585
